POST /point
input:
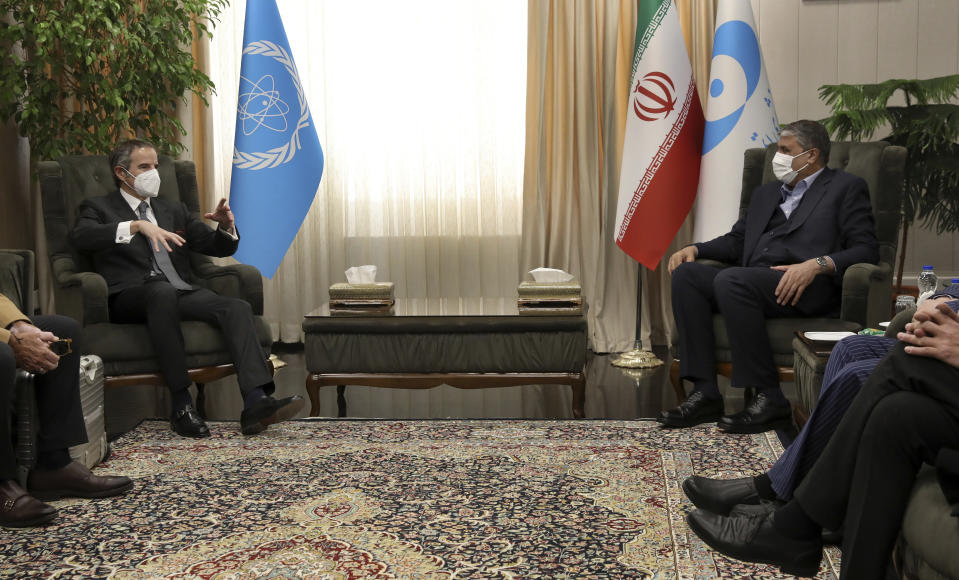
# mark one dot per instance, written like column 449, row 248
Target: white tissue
column 550, row 275
column 361, row 274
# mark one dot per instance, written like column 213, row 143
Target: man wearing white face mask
column 141, row 245
column 790, row 250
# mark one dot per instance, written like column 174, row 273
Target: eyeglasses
column 62, row 347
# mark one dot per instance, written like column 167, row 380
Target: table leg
column 313, row 390
column 579, row 396
column 341, row 400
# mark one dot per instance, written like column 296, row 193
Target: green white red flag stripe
column 664, row 136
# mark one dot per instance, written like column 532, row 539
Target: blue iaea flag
column 277, row 158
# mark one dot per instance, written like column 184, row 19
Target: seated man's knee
column 160, row 291
column 687, row 273
column 160, row 295
column 729, row 279
column 62, row 326
column 8, row 365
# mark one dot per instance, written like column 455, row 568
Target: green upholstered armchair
column 866, row 288
column 128, row 356
column 16, row 283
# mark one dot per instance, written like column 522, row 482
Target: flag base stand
column 637, row 358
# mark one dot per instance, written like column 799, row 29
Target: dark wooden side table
column 419, row 348
column 809, row 364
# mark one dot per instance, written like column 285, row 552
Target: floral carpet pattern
column 347, row 499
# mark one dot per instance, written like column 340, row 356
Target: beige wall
column 808, row 43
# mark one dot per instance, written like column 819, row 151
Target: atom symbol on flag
column 262, row 106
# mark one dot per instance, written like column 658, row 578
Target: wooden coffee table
column 419, row 346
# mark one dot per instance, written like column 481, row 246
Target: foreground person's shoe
column 761, row 414
column 720, row 495
column 75, row 480
column 268, row 411
column 696, row 409
column 765, row 506
column 754, row 539
column 18, row 509
column 188, row 423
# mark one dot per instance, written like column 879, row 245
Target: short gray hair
column 811, row 135
column 120, row 156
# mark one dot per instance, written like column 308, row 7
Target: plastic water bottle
column 927, row 280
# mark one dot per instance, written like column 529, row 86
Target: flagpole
column 637, row 358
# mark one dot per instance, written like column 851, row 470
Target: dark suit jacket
column 834, row 218
column 127, row 265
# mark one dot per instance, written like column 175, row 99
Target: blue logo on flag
column 277, row 158
column 736, row 40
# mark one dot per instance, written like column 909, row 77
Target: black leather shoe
column 765, row 506
column 267, row 411
column 720, row 495
column 761, row 414
column 18, row 509
column 187, row 422
column 694, row 410
column 75, row 480
column 754, row 539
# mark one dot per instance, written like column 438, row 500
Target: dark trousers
column 903, row 415
column 162, row 307
column 746, row 298
column 850, row 365
column 59, row 413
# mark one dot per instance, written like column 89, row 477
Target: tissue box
column 549, row 289
column 374, row 291
column 550, row 298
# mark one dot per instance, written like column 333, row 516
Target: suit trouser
column 903, row 415
column 745, row 297
column 162, row 307
column 850, row 364
column 59, row 414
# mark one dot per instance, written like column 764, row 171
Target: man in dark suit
column 791, row 248
column 906, row 414
column 140, row 244
column 851, row 363
column 25, row 344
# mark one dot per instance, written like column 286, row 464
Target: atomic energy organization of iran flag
column 739, row 115
column 664, row 137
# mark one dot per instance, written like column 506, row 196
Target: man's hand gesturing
column 157, row 235
column 222, row 215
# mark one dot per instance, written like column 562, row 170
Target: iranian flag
column 664, row 138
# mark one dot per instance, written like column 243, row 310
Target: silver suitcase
column 91, row 399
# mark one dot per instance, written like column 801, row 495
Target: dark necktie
column 161, row 258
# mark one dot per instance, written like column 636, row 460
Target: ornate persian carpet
column 399, row 499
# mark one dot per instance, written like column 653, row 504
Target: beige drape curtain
column 580, row 57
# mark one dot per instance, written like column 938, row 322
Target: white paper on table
column 550, row 275
column 361, row 274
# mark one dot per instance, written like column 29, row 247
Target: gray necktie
column 161, row 258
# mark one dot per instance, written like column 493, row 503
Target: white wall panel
column 818, row 54
column 779, row 38
column 858, row 40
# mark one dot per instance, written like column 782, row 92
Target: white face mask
column 147, row 184
column 783, row 166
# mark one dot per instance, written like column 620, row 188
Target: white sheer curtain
column 420, row 110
